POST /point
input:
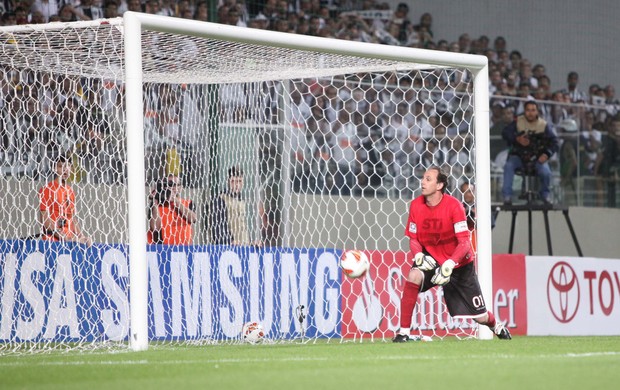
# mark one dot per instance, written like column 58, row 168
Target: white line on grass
column 297, row 359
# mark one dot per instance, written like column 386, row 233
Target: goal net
column 157, row 119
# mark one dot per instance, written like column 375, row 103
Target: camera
column 163, row 190
column 538, row 144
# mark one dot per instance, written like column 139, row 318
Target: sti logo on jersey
column 432, row 223
column 412, row 228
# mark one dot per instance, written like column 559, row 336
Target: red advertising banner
column 509, row 292
column 371, row 304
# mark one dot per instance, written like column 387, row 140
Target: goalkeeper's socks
column 491, row 321
column 407, row 304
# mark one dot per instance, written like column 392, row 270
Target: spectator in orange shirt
column 172, row 216
column 57, row 207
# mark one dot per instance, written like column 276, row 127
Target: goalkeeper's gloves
column 443, row 273
column 424, row 262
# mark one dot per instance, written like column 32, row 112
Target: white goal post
column 319, row 210
column 134, row 23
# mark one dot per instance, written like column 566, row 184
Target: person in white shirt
column 46, row 7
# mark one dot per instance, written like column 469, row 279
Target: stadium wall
column 382, row 227
column 100, row 217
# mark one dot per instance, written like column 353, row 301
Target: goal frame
column 134, row 23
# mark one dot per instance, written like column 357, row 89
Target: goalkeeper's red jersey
column 439, row 228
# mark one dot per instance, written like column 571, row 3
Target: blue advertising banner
column 70, row 292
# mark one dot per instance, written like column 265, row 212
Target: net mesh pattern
column 331, row 149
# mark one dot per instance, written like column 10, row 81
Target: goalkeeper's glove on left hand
column 424, row 262
column 443, row 273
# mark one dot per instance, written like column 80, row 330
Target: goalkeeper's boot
column 400, row 338
column 502, row 332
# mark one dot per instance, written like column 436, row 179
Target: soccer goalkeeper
column 439, row 240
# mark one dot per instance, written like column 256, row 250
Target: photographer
column 171, row 216
column 532, row 142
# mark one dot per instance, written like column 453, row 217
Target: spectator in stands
column 64, row 125
column 574, row 93
column 458, row 156
column 122, row 6
column 46, row 8
column 558, row 106
column 495, row 82
column 591, row 146
column 110, row 9
column 515, row 60
column 202, row 11
column 400, row 26
column 526, row 75
column 57, row 211
column 134, row 5
column 613, row 104
column 610, row 95
column 344, row 144
column 610, row 165
column 151, row 7
column 469, row 204
column 36, row 17
column 496, row 110
column 425, row 26
column 497, row 127
column 544, row 108
column 523, row 93
column 168, row 7
column 464, row 43
column 68, row 13
column 171, row 216
column 374, row 167
column 227, row 220
column 538, row 71
column 91, row 11
column 509, row 87
column 568, row 133
column 483, row 43
column 499, row 44
column 503, row 61
column 93, row 129
column 234, row 18
column 9, row 19
column 22, row 11
column 263, row 23
column 532, row 142
column 591, row 154
column 269, row 11
column 544, row 82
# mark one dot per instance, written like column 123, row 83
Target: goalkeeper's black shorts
column 462, row 294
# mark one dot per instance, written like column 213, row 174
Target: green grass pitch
column 522, row 363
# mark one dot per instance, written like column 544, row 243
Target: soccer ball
column 354, row 263
column 252, row 332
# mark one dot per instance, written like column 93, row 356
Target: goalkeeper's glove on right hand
column 443, row 273
column 424, row 262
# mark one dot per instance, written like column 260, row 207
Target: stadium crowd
column 586, row 120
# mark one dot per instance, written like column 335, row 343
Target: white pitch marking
column 299, row 359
